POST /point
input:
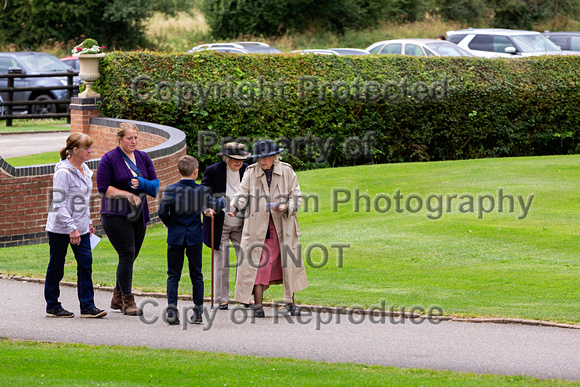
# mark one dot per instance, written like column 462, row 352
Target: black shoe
column 294, row 311
column 59, row 313
column 93, row 313
column 172, row 317
column 223, row 306
column 259, row 312
column 197, row 318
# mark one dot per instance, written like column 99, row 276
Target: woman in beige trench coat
column 270, row 196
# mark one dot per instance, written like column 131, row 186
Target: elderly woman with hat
column 270, row 196
column 223, row 179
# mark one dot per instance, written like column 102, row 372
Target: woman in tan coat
column 270, row 196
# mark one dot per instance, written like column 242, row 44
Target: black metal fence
column 8, row 105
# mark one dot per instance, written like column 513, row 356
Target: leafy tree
column 411, row 10
column 116, row 23
column 471, row 12
column 522, row 14
column 233, row 18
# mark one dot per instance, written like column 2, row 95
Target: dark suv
column 568, row 41
column 35, row 63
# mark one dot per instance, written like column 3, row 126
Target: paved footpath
column 14, row 145
column 542, row 352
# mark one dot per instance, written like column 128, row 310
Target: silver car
column 237, row 48
column 417, row 47
column 314, row 51
column 567, row 40
column 504, row 43
column 349, row 51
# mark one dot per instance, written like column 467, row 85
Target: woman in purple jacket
column 125, row 177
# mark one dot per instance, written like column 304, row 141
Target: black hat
column 234, row 150
column 265, row 148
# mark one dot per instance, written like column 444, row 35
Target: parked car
column 72, row 62
column 238, row 48
column 314, row 51
column 417, row 47
column 497, row 42
column 231, row 50
column 349, row 51
column 567, row 41
column 28, row 63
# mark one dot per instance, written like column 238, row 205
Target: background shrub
column 233, row 18
column 491, row 108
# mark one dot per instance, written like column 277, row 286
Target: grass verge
column 37, row 159
column 495, row 266
column 34, row 125
column 33, row 363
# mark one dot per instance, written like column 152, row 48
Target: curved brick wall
column 25, row 192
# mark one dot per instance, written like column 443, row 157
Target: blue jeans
column 175, row 258
column 58, row 247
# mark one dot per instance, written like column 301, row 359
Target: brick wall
column 25, row 192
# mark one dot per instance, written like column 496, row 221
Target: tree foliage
column 522, row 14
column 233, row 18
column 114, row 23
column 471, row 12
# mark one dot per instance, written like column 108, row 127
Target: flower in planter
column 89, row 46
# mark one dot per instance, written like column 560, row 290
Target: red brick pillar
column 81, row 112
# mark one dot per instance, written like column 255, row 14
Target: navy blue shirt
column 181, row 208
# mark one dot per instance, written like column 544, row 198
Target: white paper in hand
column 228, row 207
column 271, row 206
column 94, row 241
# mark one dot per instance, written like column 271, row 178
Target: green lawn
column 497, row 265
column 34, row 125
column 37, row 159
column 31, row 363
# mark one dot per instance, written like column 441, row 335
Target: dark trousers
column 58, row 247
column 127, row 238
column 175, row 260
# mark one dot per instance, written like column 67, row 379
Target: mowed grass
column 32, row 363
column 46, row 125
column 36, row 159
column 498, row 265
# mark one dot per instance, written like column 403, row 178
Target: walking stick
column 212, row 262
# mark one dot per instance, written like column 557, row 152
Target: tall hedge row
column 375, row 109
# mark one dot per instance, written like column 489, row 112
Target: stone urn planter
column 89, row 72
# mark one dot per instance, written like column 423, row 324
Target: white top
column 71, row 194
column 232, row 187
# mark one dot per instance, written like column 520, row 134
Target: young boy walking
column 180, row 210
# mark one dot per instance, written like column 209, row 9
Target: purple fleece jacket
column 113, row 171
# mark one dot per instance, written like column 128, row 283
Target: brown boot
column 129, row 306
column 117, row 300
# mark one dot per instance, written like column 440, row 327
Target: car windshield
column 44, row 63
column 262, row 49
column 448, row 49
column 534, row 43
column 225, row 49
column 346, row 51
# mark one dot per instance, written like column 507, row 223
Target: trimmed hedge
column 373, row 109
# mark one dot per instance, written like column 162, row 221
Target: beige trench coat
column 254, row 196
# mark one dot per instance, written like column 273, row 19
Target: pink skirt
column 270, row 269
